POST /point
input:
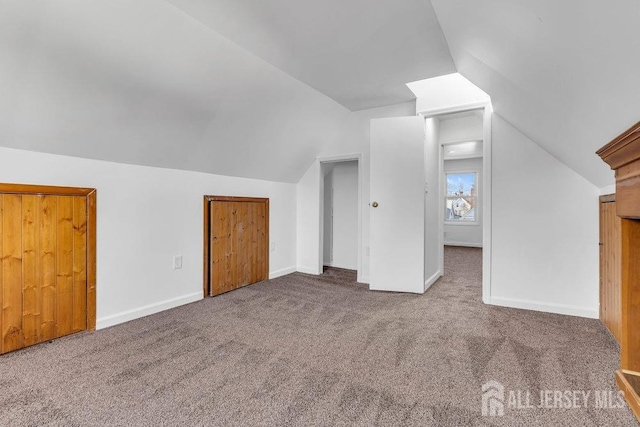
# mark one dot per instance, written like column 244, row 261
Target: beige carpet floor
column 306, row 350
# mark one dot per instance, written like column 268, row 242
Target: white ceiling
column 565, row 73
column 257, row 88
column 359, row 53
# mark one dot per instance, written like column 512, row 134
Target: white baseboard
column 146, row 310
column 344, row 267
column 364, row 279
column 431, row 280
column 282, row 272
column 307, row 270
column 466, row 245
column 569, row 310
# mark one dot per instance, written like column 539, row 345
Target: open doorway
column 463, row 141
column 340, row 214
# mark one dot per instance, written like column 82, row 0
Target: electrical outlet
column 177, row 262
column 273, row 246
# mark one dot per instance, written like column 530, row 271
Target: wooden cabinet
column 47, row 269
column 623, row 155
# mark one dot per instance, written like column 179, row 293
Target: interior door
column 238, row 242
column 610, row 267
column 46, row 287
column 397, row 204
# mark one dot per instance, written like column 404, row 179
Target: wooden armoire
column 623, row 156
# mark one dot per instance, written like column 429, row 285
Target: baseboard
column 431, row 280
column 136, row 313
column 365, row 280
column 466, row 245
column 344, row 267
column 569, row 310
column 307, row 270
column 281, row 272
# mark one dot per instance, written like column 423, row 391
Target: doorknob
column 374, row 204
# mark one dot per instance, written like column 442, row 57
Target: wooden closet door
column 238, row 244
column 43, row 274
column 610, row 268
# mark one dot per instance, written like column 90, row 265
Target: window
column 461, row 197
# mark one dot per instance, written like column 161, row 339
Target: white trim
column 486, row 203
column 569, row 310
column 469, row 156
column 281, row 272
column 364, row 279
column 461, row 141
column 307, row 270
column 146, row 310
column 431, row 280
column 357, row 157
column 344, row 267
column 453, row 109
column 466, row 245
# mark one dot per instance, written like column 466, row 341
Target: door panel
column 238, row 243
column 397, row 184
column 47, row 255
column 64, row 276
column 611, row 269
column 31, row 291
column 79, row 322
column 12, row 334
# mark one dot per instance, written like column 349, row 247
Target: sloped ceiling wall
column 359, row 53
column 143, row 83
column 565, row 73
column 257, row 88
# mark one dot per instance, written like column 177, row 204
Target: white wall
column 146, row 216
column 353, row 137
column 460, row 129
column 544, row 229
column 343, row 184
column 466, row 234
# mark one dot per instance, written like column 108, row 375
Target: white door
column 397, row 185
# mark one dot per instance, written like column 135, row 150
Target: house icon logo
column 492, row 399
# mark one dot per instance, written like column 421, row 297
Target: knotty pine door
column 44, row 248
column 610, row 266
column 238, row 242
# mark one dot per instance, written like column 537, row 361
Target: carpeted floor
column 306, row 350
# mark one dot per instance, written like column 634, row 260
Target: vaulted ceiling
column 565, row 73
column 256, row 88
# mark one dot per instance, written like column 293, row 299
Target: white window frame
column 476, row 174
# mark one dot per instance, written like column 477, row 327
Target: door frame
column 91, row 195
column 357, row 157
column 486, row 183
column 206, row 250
